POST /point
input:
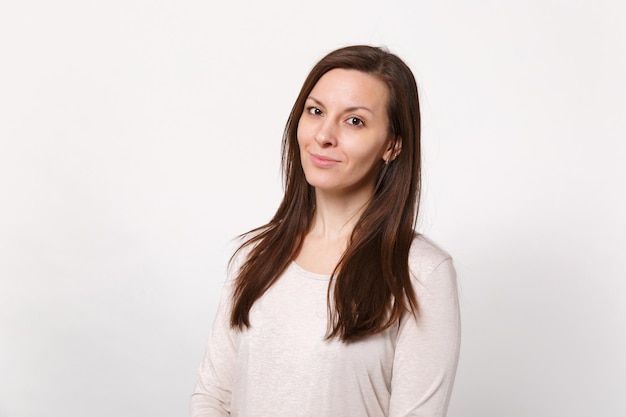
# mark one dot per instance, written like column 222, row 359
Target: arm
column 211, row 397
column 427, row 348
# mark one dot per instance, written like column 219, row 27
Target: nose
column 326, row 134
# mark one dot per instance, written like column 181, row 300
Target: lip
column 323, row 161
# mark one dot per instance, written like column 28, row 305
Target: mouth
column 323, row 161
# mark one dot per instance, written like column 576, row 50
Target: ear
column 393, row 150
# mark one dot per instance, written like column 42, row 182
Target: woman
column 337, row 307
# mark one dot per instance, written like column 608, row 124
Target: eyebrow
column 349, row 109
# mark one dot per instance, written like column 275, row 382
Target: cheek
column 367, row 155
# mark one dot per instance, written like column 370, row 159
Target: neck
column 337, row 214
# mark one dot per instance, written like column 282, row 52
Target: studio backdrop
column 137, row 139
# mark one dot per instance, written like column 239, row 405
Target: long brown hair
column 370, row 288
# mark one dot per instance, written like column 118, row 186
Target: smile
column 323, row 161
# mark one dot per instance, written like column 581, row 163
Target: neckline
column 308, row 274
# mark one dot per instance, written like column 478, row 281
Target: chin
column 320, row 185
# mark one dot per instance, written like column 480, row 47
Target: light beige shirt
column 283, row 367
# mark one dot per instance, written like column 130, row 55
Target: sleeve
column 427, row 348
column 211, row 396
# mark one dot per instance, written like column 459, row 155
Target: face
column 343, row 132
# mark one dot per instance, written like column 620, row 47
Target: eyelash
column 355, row 121
column 352, row 121
column 315, row 111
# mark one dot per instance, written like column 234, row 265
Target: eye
column 355, row 121
column 315, row 111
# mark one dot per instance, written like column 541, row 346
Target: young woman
column 336, row 307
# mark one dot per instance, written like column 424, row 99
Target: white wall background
column 137, row 138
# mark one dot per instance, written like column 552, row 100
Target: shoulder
column 425, row 256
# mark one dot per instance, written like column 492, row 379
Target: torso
column 283, row 364
column 286, row 367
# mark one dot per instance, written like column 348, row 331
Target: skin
column 344, row 139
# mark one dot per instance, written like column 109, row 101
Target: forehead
column 351, row 88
